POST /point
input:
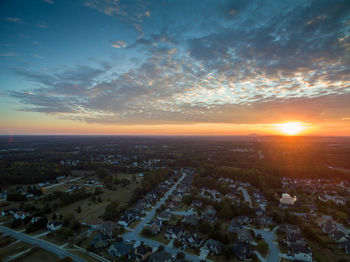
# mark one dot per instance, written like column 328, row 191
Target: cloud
column 41, row 25
column 132, row 13
column 119, row 44
column 49, row 1
column 238, row 62
column 14, row 20
column 8, row 54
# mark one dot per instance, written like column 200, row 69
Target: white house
column 53, row 225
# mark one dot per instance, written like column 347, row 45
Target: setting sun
column 291, row 128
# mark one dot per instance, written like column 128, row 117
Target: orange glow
column 291, row 128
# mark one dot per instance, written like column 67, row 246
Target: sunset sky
column 174, row 67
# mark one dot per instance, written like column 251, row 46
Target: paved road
column 62, row 183
column 269, row 237
column 135, row 234
column 183, row 213
column 41, row 243
column 246, row 196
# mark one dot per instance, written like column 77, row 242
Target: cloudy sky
column 174, row 67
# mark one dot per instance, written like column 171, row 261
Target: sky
column 174, row 67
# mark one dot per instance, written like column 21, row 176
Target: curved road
column 269, row 237
column 41, row 243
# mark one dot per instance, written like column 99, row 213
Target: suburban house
column 197, row 204
column 345, row 245
column 53, row 225
column 106, row 228
column 243, row 220
column 160, row 257
column 190, row 220
column 301, row 252
column 213, row 247
column 21, row 215
column 192, row 240
column 174, row 232
column 155, row 226
column 337, row 236
column 99, row 241
column 242, row 250
column 140, row 253
column 120, row 249
column 165, row 216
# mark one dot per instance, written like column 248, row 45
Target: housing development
column 172, row 199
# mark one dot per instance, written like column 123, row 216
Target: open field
column 92, row 211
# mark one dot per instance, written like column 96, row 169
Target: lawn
column 39, row 255
column 83, row 255
column 321, row 254
column 14, row 249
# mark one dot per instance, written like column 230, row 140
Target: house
column 99, row 241
column 243, row 234
column 301, row 252
column 213, row 247
column 160, row 257
column 337, row 236
column 243, row 220
column 155, row 226
column 106, row 228
column 328, row 227
column 320, row 221
column 5, row 212
column 174, row 232
column 197, row 204
column 242, row 250
column 345, row 245
column 190, row 220
column 173, row 205
column 140, row 253
column 209, row 214
column 53, row 225
column 265, row 221
column 165, row 216
column 120, row 249
column 192, row 240
column 35, row 219
column 232, row 226
column 21, row 215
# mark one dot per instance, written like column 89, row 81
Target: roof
column 160, row 257
column 122, row 247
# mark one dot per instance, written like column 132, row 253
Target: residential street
column 41, row 243
column 269, row 237
column 246, row 196
column 62, row 183
column 134, row 235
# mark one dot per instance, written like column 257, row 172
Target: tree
column 227, row 252
column 112, row 211
column 180, row 255
column 205, row 228
column 101, row 173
